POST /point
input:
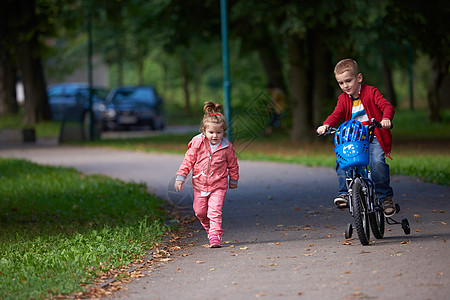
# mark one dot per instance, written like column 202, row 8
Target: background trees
column 175, row 45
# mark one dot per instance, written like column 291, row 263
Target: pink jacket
column 210, row 171
column 375, row 105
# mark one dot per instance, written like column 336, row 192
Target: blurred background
column 173, row 48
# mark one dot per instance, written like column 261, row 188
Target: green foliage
column 60, row 228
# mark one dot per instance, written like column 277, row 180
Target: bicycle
column 353, row 157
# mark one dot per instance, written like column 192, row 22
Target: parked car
column 129, row 106
column 71, row 101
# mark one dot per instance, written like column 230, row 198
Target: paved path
column 285, row 238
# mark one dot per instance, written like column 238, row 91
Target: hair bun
column 210, row 107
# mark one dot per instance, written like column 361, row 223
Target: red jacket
column 210, row 170
column 375, row 105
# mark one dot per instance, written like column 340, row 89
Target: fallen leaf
column 199, row 262
column 399, row 274
column 212, row 269
column 299, row 293
column 442, row 211
column 273, row 265
column 308, row 254
column 380, row 287
column 244, row 248
column 416, row 216
column 434, row 211
column 278, row 243
column 444, row 240
column 440, row 273
column 347, row 272
column 405, row 242
column 418, row 230
column 443, row 223
column 260, row 294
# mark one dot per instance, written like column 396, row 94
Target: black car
column 70, row 101
column 129, row 106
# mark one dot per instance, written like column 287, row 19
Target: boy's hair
column 213, row 115
column 347, row 64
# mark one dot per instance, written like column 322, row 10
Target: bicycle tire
column 360, row 213
column 377, row 223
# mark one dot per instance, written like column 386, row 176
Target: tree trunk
column 140, row 64
column 36, row 102
column 298, row 82
column 24, row 22
column 187, row 96
column 389, row 92
column 439, row 70
column 8, row 101
column 272, row 64
column 120, row 69
column 322, row 91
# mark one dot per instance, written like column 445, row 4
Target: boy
column 362, row 102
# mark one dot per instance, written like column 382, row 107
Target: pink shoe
column 214, row 241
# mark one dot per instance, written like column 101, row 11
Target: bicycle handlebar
column 373, row 124
column 328, row 131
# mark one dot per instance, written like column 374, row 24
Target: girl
column 212, row 159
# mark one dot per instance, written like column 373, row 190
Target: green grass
column 60, row 229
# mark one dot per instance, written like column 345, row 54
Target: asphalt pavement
column 283, row 239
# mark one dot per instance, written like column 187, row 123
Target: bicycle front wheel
column 377, row 222
column 360, row 212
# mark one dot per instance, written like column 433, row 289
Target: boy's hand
column 232, row 186
column 322, row 129
column 178, row 185
column 385, row 124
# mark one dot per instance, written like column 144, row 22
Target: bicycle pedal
column 342, row 206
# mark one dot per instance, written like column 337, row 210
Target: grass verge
column 60, row 229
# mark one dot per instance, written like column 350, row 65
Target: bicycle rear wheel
column 377, row 222
column 360, row 213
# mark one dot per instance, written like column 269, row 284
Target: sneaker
column 341, row 201
column 388, row 207
column 214, row 242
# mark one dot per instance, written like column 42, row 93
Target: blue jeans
column 379, row 169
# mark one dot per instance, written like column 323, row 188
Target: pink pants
column 208, row 210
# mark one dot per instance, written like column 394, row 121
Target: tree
column 426, row 28
column 8, row 74
column 23, row 25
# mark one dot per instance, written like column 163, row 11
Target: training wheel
column 405, row 226
column 397, row 208
column 348, row 231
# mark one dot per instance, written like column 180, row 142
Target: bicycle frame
column 368, row 188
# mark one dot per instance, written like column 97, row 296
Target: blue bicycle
column 352, row 141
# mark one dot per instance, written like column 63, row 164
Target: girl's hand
column 232, row 186
column 178, row 185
